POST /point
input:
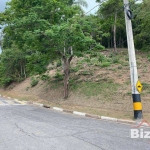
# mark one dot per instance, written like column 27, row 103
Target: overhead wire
column 114, row 7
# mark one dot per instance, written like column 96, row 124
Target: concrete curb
column 79, row 113
column 108, row 118
column 58, row 109
column 38, row 104
column 131, row 122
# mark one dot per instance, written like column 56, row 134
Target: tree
column 25, row 24
column 112, row 19
column 68, row 39
column 45, row 30
column 78, row 2
column 141, row 24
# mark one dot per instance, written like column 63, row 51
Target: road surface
column 28, row 127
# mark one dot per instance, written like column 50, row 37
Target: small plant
column 58, row 63
column 34, row 82
column 45, row 77
column 126, row 58
column 79, row 54
column 75, row 69
column 27, row 88
column 125, row 64
column 119, row 67
column 101, row 58
column 146, row 86
column 94, row 54
column 58, row 76
column 115, row 60
column 94, row 61
column 105, row 64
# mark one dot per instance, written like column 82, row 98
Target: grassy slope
column 99, row 84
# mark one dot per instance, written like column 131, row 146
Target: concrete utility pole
column 136, row 85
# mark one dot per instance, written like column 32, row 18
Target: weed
column 124, row 63
column 45, row 77
column 126, row 58
column 119, row 67
column 105, row 64
column 93, row 89
column 58, row 63
column 58, row 76
column 115, row 60
column 94, row 61
column 146, row 86
column 75, row 69
column 34, row 82
column 27, row 88
column 129, row 93
column 101, row 58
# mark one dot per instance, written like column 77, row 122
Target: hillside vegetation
column 99, row 84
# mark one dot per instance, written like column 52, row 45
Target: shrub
column 75, row 69
column 115, row 60
column 105, row 64
column 58, row 76
column 34, row 82
column 58, row 63
column 45, row 77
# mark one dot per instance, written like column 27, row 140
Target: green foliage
column 34, row 81
column 12, row 66
column 75, row 69
column 115, row 60
column 93, row 89
column 58, row 76
column 148, row 57
column 119, row 67
column 146, row 86
column 45, row 77
column 105, row 64
column 141, row 24
column 58, row 63
column 107, row 12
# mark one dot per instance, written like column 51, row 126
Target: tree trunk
column 66, row 69
column 115, row 50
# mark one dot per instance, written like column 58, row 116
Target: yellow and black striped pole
column 135, row 83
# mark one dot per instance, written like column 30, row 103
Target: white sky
column 91, row 4
column 2, row 4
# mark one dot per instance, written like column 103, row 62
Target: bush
column 75, row 69
column 34, row 82
column 105, row 64
column 115, row 60
column 58, row 63
column 45, row 77
column 58, row 76
column 101, row 58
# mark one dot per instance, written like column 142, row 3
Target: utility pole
column 135, row 83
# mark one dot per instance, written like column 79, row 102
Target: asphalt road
column 27, row 127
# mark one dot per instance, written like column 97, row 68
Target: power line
column 105, row 1
column 95, row 7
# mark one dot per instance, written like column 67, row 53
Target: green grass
column 94, row 89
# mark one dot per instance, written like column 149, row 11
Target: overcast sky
column 91, row 4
